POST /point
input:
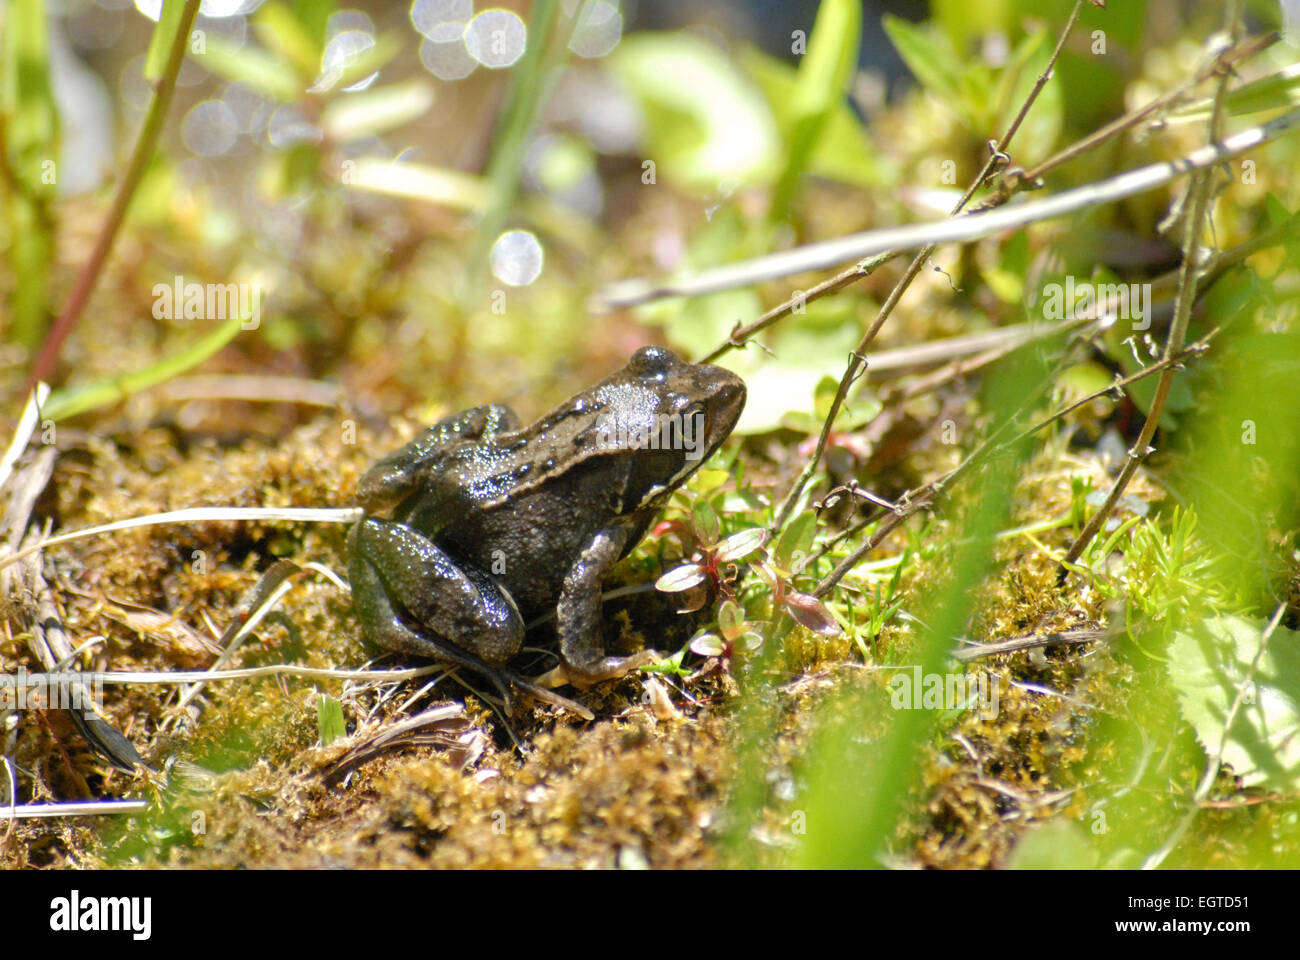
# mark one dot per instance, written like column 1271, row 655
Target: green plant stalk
column 28, row 139
column 528, row 82
column 31, row 251
column 143, row 152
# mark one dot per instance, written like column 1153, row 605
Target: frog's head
column 671, row 415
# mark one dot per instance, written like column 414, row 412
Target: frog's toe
column 608, row 668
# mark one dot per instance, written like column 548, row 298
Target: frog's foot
column 606, row 668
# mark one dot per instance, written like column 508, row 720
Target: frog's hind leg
column 388, row 559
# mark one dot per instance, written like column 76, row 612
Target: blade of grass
column 822, row 81
column 528, row 83
column 858, row 781
column 74, row 400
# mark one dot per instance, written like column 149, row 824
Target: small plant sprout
column 713, row 562
column 734, row 632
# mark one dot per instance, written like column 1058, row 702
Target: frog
column 480, row 528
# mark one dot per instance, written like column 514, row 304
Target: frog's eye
column 694, row 424
column 652, row 362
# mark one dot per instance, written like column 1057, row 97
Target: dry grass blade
column 443, row 726
column 98, row 808
column 1032, row 641
column 195, row 515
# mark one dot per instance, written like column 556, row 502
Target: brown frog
column 478, row 527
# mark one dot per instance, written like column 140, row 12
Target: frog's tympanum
column 479, row 527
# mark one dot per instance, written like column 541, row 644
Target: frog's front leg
column 410, row 596
column 394, row 477
column 579, row 610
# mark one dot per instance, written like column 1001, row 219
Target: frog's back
column 529, row 540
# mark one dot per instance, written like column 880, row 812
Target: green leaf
column 1057, row 845
column 329, row 720
column 352, row 116
column 702, row 322
column 695, row 140
column 811, row 613
column 741, row 544
column 796, row 540
column 707, row 524
column 823, row 79
column 164, row 34
column 31, row 117
column 933, row 63
column 731, row 619
column 1209, row 663
column 682, row 578
column 1280, row 217
column 707, row 645
column 1277, row 91
column 842, row 151
column 288, row 38
column 440, row 185
column 253, row 67
column 29, row 133
column 963, row 22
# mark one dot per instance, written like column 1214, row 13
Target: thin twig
column 94, row 808
column 178, row 677
column 975, row 226
column 853, row 274
column 1015, row 644
column 23, row 434
column 1199, row 192
column 1195, row 349
column 857, row 360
